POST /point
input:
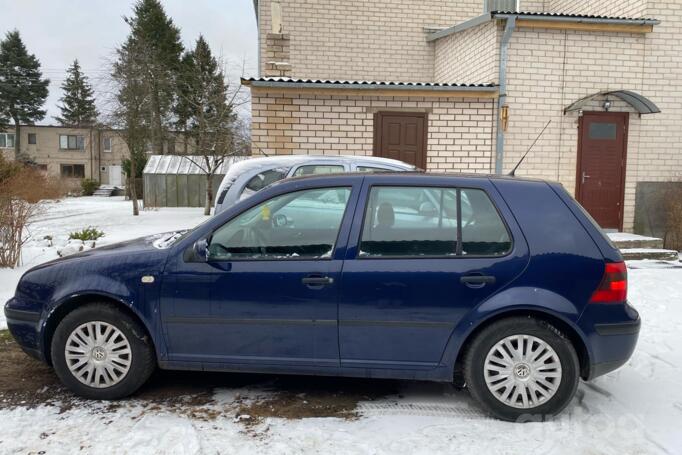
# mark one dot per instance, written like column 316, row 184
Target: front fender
column 513, row 300
column 92, row 287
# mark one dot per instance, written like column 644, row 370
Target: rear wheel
column 521, row 368
column 101, row 352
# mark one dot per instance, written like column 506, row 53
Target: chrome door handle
column 585, row 176
column 317, row 280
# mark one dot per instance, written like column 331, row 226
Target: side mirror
column 280, row 220
column 200, row 249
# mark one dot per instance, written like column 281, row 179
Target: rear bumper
column 24, row 325
column 612, row 332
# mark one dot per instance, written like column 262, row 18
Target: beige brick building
column 451, row 86
column 72, row 153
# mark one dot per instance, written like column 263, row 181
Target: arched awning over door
column 640, row 103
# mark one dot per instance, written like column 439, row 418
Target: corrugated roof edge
column 362, row 85
column 565, row 17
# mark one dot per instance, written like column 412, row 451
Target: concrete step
column 659, row 254
column 624, row 240
column 635, row 247
column 105, row 192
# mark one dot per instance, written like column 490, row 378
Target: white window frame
column 80, row 139
column 6, row 137
column 104, row 144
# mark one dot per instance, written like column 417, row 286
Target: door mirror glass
column 200, row 250
column 299, row 225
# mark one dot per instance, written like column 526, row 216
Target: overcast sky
column 58, row 31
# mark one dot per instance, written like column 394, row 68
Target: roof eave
column 577, row 19
column 471, row 23
column 368, row 87
column 476, row 21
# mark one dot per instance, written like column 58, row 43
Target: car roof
column 413, row 177
column 292, row 160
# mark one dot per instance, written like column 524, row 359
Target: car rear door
column 417, row 261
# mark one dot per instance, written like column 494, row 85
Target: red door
column 401, row 136
column 600, row 188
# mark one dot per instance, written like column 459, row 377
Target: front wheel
column 522, row 368
column 102, row 353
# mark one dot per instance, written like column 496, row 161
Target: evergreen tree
column 78, row 103
column 185, row 87
column 22, row 88
column 211, row 117
column 156, row 41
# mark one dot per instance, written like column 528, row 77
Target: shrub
column 22, row 188
column 88, row 233
column 89, row 186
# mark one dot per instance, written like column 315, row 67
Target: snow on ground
column 637, row 409
column 113, row 216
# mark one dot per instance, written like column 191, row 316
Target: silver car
column 245, row 178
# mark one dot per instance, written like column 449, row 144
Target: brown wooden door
column 401, row 136
column 602, row 144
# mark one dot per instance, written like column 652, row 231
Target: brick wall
column 360, row 39
column 550, row 69
column 471, row 56
column 460, row 131
column 618, row 8
column 661, row 134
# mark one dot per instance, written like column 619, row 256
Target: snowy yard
column 637, row 409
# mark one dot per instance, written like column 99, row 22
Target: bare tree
column 210, row 113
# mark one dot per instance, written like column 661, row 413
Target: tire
column 483, row 359
column 123, row 364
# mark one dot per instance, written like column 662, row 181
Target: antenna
column 513, row 171
column 260, row 149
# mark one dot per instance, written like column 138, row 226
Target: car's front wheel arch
column 67, row 305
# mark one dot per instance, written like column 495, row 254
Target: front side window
column 260, row 181
column 314, row 169
column 32, row 139
column 107, row 144
column 410, row 221
column 299, row 225
column 424, row 221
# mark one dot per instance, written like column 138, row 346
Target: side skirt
column 439, row 374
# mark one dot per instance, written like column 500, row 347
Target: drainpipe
column 502, row 99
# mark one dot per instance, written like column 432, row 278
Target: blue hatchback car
column 504, row 284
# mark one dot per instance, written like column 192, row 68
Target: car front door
column 419, row 258
column 267, row 293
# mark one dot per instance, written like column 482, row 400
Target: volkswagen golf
column 502, row 284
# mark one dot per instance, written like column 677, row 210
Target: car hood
column 150, row 243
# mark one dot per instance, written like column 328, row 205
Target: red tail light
column 614, row 286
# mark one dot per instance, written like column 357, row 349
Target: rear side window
column 314, row 169
column 410, row 221
column 371, row 169
column 261, row 180
column 426, row 222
